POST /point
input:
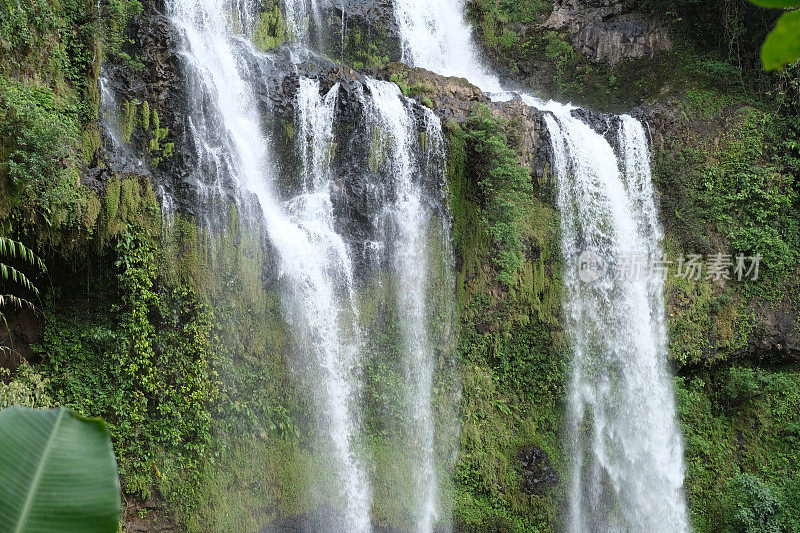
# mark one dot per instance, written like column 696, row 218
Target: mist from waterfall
column 623, row 435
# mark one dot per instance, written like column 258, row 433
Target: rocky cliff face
column 609, row 31
column 163, row 84
column 602, row 31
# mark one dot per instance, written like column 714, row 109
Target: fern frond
column 16, row 301
column 14, row 249
column 10, row 273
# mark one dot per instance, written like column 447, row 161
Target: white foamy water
column 624, row 439
column 314, row 262
column 405, row 221
column 435, row 36
column 623, row 436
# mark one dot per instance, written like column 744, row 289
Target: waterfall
column 108, row 110
column 624, row 439
column 314, row 261
column 397, row 206
column 403, row 224
column 435, row 36
column 628, row 471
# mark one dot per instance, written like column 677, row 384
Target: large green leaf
column 57, row 473
column 782, row 46
column 779, row 4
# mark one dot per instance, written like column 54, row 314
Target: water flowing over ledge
column 323, row 262
column 623, row 435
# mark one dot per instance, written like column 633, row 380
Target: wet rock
column 609, row 31
column 368, row 12
column 532, row 137
column 369, row 26
column 161, row 83
column 452, row 98
column 776, row 336
column 21, row 330
column 538, row 474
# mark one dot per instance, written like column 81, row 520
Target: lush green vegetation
column 511, row 347
column 741, row 427
column 168, row 332
column 50, row 55
column 494, row 18
column 503, row 185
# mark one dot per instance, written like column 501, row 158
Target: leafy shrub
column 503, row 183
column 27, row 388
column 752, row 507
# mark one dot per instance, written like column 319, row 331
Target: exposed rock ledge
column 609, row 30
column 454, row 99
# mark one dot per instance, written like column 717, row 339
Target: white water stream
column 314, row 261
column 623, row 436
column 404, row 221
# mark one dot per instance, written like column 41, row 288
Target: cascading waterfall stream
column 402, row 225
column 317, row 276
column 338, row 339
column 628, row 471
column 435, row 36
column 628, row 466
column 407, row 219
column 315, row 266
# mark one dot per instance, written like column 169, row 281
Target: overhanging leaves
column 57, row 473
column 782, row 46
column 777, row 4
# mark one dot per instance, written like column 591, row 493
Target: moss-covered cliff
column 171, row 331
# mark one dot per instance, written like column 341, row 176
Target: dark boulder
column 538, row 475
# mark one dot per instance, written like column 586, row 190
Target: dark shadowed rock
column 537, row 473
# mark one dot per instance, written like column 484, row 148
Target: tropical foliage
column 782, row 46
column 57, row 473
column 14, row 250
